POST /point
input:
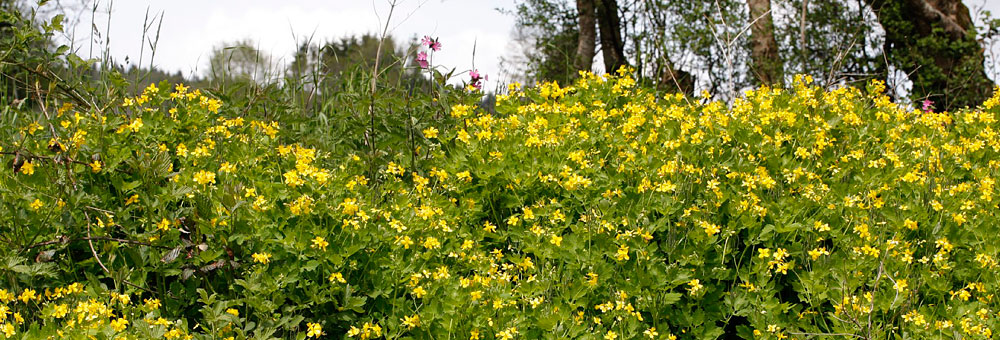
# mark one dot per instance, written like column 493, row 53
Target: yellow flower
column 404, row 241
column 695, row 285
column 233, row 311
column 337, row 277
column 710, row 228
column 163, row 225
column 816, row 253
column 34, row 126
column 119, row 324
column 8, row 330
column 622, row 253
column 411, row 322
column 349, row 206
column 314, row 330
column 37, row 204
column 431, row 132
column 459, row 110
column 60, row 311
column 263, row 258
column 900, row 285
column 320, row 243
column 95, row 166
column 152, row 304
column 959, row 218
column 132, row 200
column 173, row 334
column 489, row 227
column 135, row 125
column 556, row 240
column 909, row 224
column 204, row 177
column 419, row 292
column 432, row 243
column 226, row 167
column 764, row 253
column 301, row 206
column 27, row 295
column 820, row 226
column 28, row 168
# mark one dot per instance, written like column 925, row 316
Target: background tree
column 587, row 38
column 935, row 43
column 767, row 66
column 240, row 60
column 726, row 46
column 836, row 42
column 610, row 26
column 550, row 31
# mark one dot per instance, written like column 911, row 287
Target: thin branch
column 94, row 238
column 91, row 242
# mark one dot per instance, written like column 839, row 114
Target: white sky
column 192, row 28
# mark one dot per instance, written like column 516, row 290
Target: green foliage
column 601, row 209
column 595, row 210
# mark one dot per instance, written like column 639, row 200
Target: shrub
column 596, row 210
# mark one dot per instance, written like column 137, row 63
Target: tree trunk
column 612, row 46
column 767, row 65
column 587, row 39
column 945, row 66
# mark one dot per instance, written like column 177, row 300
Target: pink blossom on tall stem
column 477, row 79
column 927, row 104
column 422, row 59
column 431, row 43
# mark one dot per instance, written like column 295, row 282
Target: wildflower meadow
column 602, row 208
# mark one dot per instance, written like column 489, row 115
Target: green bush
column 597, row 210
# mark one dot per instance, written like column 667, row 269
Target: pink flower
column 477, row 79
column 422, row 59
column 432, row 43
column 927, row 105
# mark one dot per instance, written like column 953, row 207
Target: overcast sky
column 190, row 29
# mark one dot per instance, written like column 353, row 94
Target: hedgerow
column 595, row 210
